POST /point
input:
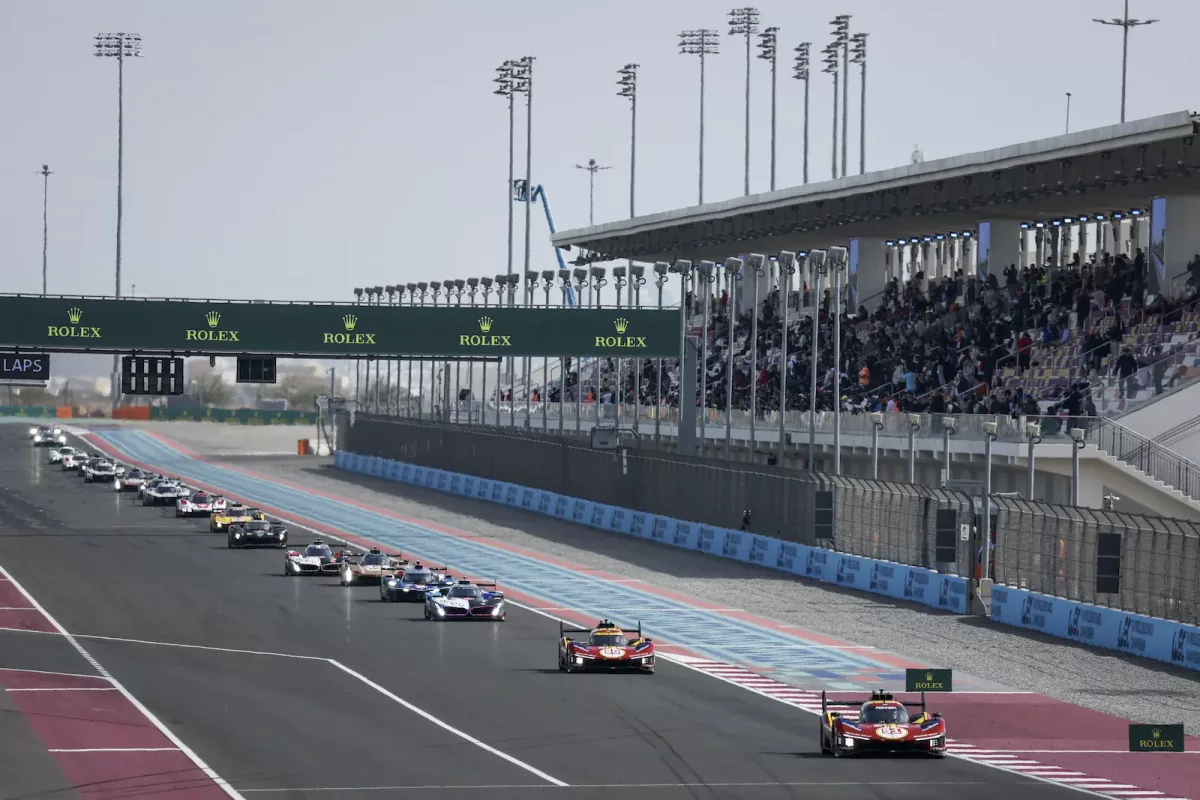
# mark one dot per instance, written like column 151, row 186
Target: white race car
column 99, row 469
column 316, row 559
column 128, row 480
column 195, row 503
column 74, row 461
column 219, row 503
column 47, row 436
column 164, row 493
column 58, row 453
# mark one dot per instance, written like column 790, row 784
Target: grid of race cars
column 882, row 724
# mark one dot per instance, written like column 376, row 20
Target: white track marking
column 461, row 734
column 365, row 680
column 118, row 750
column 47, row 672
column 67, row 689
column 124, row 640
column 163, row 729
column 17, row 608
column 683, row 661
column 730, row 785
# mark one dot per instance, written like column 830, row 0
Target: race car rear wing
column 826, row 703
column 563, row 630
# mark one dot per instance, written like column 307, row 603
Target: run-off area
column 358, row 697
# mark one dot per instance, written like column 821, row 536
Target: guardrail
column 1039, row 547
column 1136, row 634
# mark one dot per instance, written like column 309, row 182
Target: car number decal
column 612, row 652
column 891, row 732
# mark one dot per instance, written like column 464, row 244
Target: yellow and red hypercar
column 883, row 725
column 606, row 648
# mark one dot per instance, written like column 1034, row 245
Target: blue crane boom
column 522, row 194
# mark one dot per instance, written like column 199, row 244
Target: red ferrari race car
column 607, row 648
column 883, row 725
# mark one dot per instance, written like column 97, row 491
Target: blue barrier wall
column 1137, row 635
column 1162, row 640
column 946, row 592
column 1103, row 627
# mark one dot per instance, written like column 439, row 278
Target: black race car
column 258, row 533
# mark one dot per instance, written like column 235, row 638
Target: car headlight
column 62, row 439
column 37, row 437
column 237, row 536
column 847, row 742
column 441, row 611
column 496, row 611
column 32, row 431
column 578, row 661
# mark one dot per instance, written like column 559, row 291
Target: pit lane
column 106, row 567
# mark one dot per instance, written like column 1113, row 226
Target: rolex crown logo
column 485, row 324
column 350, row 321
column 621, row 324
column 929, row 677
column 1156, row 733
column 213, row 318
column 74, row 314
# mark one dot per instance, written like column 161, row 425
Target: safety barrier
column 1135, row 634
column 1112, row 629
column 915, row 584
column 34, row 412
column 234, row 416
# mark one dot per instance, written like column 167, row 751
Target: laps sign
column 928, row 680
column 24, row 366
column 1156, row 738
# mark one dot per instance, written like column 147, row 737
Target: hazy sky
column 293, row 149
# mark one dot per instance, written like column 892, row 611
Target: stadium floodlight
column 768, row 51
column 627, row 88
column 592, row 168
column 832, row 68
column 119, row 46
column 701, row 42
column 800, row 72
column 841, row 38
column 859, row 56
column 744, row 22
column 1125, row 24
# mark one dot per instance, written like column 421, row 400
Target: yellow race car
column 235, row 513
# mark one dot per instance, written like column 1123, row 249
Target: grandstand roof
column 1095, row 171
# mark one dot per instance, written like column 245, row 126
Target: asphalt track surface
column 300, row 688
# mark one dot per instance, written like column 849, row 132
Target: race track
column 300, row 688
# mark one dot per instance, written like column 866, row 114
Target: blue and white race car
column 47, row 436
column 411, row 585
column 465, row 600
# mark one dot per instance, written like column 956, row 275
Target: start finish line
column 183, row 327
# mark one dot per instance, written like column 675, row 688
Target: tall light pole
column 628, row 88
column 592, row 168
column 1125, row 24
column 744, row 22
column 506, row 81
column 831, row 68
column 45, row 173
column 767, row 47
column 119, row 46
column 1068, row 126
column 524, row 76
column 841, row 38
column 800, row 73
column 702, row 42
column 859, row 56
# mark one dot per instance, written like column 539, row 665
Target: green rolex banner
column 1155, row 738
column 928, row 680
